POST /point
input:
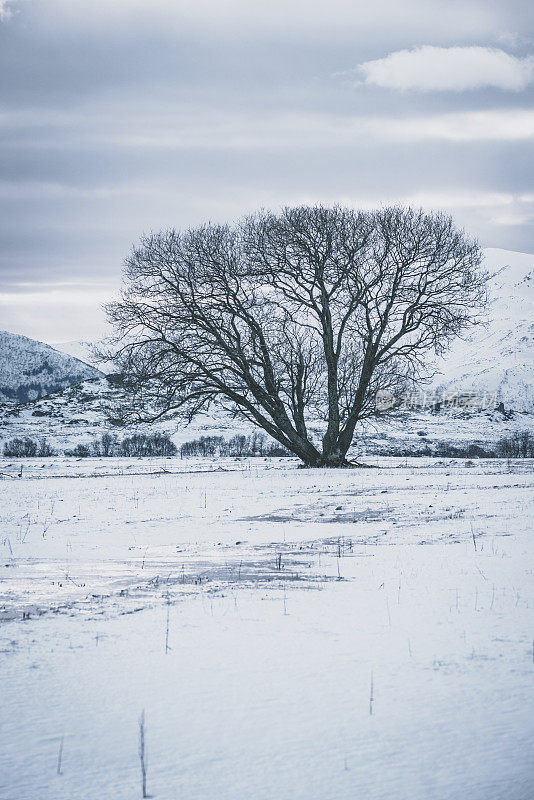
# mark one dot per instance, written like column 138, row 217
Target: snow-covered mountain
column 499, row 358
column 30, row 369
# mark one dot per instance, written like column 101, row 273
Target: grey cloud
column 126, row 116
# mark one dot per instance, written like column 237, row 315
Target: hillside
column 499, row 358
column 30, row 369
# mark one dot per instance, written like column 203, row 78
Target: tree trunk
column 335, row 457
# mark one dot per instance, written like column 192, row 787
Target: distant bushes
column 441, row 449
column 26, row 448
column 109, row 445
column 447, row 450
column 239, row 446
column 46, row 449
column 80, row 451
column 519, row 445
column 20, row 448
column 137, row 445
column 142, row 444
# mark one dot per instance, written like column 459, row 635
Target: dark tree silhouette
column 294, row 317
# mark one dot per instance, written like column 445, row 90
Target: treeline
column 238, row 446
column 27, row 448
column 519, row 445
column 156, row 444
column 108, row 446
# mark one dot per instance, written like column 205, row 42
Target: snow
column 289, row 633
column 389, row 657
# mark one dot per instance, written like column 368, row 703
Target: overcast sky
column 119, row 117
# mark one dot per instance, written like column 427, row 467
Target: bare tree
column 294, row 317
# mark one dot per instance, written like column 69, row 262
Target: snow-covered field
column 289, row 634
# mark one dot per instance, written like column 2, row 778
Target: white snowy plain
column 290, row 634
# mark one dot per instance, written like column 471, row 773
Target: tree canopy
column 294, row 318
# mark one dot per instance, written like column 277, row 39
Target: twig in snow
column 142, row 753
column 25, row 532
column 68, row 578
column 167, row 648
column 371, row 696
column 60, row 756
